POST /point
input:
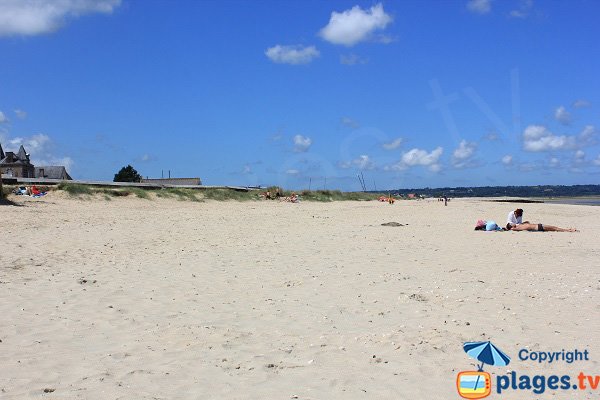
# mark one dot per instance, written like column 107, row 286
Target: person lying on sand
column 526, row 226
column 489, row 225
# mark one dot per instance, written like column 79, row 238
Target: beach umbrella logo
column 478, row 384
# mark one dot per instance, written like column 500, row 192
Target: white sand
column 268, row 300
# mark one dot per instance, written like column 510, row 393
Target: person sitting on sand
column 526, row 226
column 490, row 225
column 515, row 218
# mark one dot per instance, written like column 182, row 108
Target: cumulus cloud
column 21, row 114
column 294, row 55
column 394, row 144
column 361, row 162
column 36, row 144
column 301, row 143
column 588, row 133
column 350, row 123
column 479, row 6
column 597, row 160
column 507, row 159
column 355, row 25
column 538, row 138
column 3, row 118
column 579, row 156
column 34, row 17
column 524, row 9
column 562, row 115
column 554, row 162
column 463, row 153
column 41, row 148
column 581, row 103
column 419, row 157
column 292, row 172
column 492, row 137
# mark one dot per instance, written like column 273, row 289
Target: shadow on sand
column 6, row 202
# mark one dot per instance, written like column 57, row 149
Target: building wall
column 174, row 181
column 18, row 170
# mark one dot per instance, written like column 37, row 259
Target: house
column 52, row 172
column 18, row 165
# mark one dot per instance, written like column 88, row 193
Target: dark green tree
column 127, row 174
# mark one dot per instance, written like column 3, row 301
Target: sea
column 578, row 201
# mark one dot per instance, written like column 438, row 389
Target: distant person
column 526, row 226
column 445, row 200
column 515, row 218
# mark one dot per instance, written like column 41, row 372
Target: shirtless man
column 526, row 226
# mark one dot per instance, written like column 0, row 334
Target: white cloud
column 247, row 169
column 355, row 25
column 21, row 114
column 579, row 156
column 479, row 6
column 554, row 162
column 294, row 55
column 581, row 103
column 524, row 9
column 597, row 160
column 301, row 143
column 66, row 162
column 421, row 157
column 418, row 157
column 41, row 150
column 562, row 115
column 350, row 123
column 507, row 159
column 36, row 144
column 361, row 162
column 3, row 118
column 33, row 17
column 292, row 172
column 492, row 137
column 539, row 138
column 588, row 132
column 394, row 144
column 352, row 59
column 463, row 153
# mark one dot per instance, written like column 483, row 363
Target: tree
column 127, row 174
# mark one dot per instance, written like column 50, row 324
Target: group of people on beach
column 293, row 198
column 32, row 191
column 514, row 222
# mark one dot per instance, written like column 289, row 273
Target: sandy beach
column 165, row 299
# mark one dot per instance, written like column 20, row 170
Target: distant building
column 52, row 172
column 18, row 165
column 173, row 181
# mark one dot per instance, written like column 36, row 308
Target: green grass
column 75, row 189
column 179, row 194
column 336, row 195
column 213, row 193
column 229, row 194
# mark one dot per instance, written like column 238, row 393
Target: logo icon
column 474, row 384
column 478, row 384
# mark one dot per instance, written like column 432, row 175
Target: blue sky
column 408, row 93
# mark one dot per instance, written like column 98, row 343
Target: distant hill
column 509, row 191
